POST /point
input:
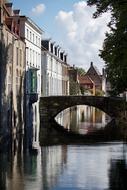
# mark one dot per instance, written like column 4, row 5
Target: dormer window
column 51, row 48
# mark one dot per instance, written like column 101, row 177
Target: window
column 36, row 40
column 35, row 124
column 9, row 80
column 39, row 60
column 36, row 60
column 33, row 58
column 27, row 33
column 30, row 36
column 20, row 57
column 30, row 56
column 17, row 75
column 33, row 38
column 17, row 58
column 27, row 55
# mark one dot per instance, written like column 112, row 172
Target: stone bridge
column 52, row 105
column 52, row 133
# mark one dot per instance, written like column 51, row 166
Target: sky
column 70, row 24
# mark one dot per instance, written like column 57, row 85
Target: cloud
column 38, row 10
column 82, row 35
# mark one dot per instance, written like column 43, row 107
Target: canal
column 95, row 166
column 67, row 167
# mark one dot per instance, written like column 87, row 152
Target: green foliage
column 99, row 92
column 114, row 51
column 81, row 71
column 74, row 88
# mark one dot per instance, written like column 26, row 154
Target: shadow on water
column 14, row 170
column 118, row 172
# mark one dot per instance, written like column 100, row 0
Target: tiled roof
column 85, row 80
column 96, row 69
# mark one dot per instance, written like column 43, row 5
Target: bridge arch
column 53, row 105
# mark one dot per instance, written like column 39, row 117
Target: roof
column 95, row 68
column 85, row 79
column 30, row 22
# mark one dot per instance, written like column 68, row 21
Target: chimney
column 16, row 12
column 91, row 64
column 9, row 8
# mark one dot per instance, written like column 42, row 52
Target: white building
column 55, row 79
column 31, row 34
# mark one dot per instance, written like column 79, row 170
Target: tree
column 74, row 87
column 81, row 71
column 114, row 52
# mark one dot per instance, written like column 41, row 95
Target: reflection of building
column 53, row 160
column 11, row 71
column 63, row 118
column 55, row 79
column 82, row 119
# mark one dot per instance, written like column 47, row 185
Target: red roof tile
column 85, row 80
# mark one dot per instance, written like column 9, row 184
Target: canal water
column 100, row 166
column 67, row 167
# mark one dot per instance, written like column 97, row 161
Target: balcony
column 32, row 85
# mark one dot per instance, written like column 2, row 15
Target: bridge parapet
column 52, row 105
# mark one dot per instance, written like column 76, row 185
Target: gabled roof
column 85, row 79
column 95, row 69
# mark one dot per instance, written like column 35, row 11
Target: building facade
column 12, row 69
column 55, row 80
column 95, row 75
column 86, row 85
column 31, row 35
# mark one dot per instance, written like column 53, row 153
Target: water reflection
column 102, row 167
column 83, row 119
